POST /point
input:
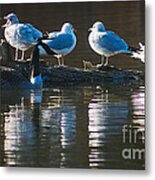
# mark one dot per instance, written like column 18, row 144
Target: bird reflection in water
column 58, row 122
column 72, row 127
column 20, row 130
column 38, row 134
column 106, row 114
column 138, row 103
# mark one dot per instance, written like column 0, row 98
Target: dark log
column 76, row 76
column 5, row 54
column 18, row 74
column 12, row 78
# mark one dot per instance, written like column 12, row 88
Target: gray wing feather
column 28, row 34
column 112, row 42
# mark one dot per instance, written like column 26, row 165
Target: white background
column 68, row 174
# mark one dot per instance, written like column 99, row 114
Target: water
column 76, row 127
column 79, row 126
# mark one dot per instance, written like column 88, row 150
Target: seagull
column 12, row 78
column 20, row 36
column 61, row 42
column 140, row 54
column 106, row 43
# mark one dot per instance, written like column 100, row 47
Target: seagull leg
column 23, row 53
column 102, row 60
column 106, row 62
column 16, row 55
column 59, row 62
column 62, row 60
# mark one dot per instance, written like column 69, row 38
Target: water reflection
column 107, row 114
column 20, row 131
column 36, row 131
column 138, row 103
column 58, row 128
column 35, row 97
column 78, row 127
column 72, row 127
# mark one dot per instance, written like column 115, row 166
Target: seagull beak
column 6, row 24
column 90, row 29
column 75, row 30
column 5, row 17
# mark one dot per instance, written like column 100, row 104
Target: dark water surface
column 79, row 126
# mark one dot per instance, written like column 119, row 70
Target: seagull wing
column 52, row 35
column 112, row 42
column 60, row 41
column 28, row 34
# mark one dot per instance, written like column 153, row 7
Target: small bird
column 107, row 43
column 20, row 36
column 61, row 42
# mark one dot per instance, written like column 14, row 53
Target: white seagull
column 140, row 54
column 20, row 36
column 106, row 43
column 60, row 42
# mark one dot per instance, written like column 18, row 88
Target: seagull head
column 67, row 28
column 11, row 19
column 97, row 26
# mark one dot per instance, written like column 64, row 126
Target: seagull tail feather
column 140, row 53
column 133, row 49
